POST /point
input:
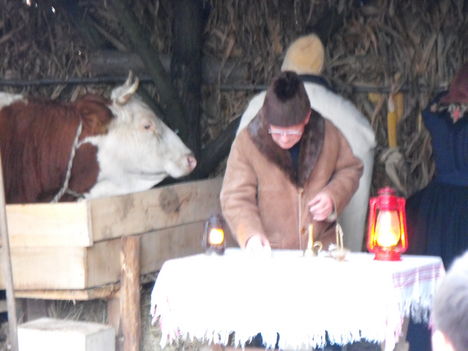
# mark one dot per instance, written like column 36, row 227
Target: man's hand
column 321, row 206
column 258, row 244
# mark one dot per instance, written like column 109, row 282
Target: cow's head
column 139, row 150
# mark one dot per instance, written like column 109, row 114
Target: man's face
column 287, row 137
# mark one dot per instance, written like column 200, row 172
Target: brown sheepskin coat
column 262, row 194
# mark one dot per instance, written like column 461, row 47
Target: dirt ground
column 95, row 311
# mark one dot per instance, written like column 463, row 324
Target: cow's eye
column 147, row 126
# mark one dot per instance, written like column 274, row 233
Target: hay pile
column 378, row 47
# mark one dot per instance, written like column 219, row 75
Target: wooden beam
column 7, row 270
column 77, row 268
column 104, row 63
column 156, row 209
column 130, row 293
column 80, row 224
column 101, row 292
column 45, row 224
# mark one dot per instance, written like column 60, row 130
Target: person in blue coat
column 437, row 215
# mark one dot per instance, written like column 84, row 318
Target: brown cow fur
column 41, row 134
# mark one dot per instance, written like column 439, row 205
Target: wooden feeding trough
column 72, row 250
column 100, row 248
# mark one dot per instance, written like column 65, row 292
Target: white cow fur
column 8, row 98
column 139, row 150
column 360, row 135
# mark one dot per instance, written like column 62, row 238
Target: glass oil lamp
column 214, row 238
column 387, row 236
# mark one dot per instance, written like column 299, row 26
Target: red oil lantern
column 387, row 236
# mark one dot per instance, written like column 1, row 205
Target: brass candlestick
column 313, row 248
column 340, row 251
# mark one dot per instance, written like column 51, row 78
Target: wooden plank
column 48, row 268
column 72, row 224
column 70, row 268
column 159, row 246
column 101, row 292
column 156, row 248
column 154, row 209
column 102, row 264
column 61, row 224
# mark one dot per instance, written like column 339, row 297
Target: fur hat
column 286, row 102
column 458, row 91
column 305, row 56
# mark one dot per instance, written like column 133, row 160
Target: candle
column 339, row 237
column 310, row 243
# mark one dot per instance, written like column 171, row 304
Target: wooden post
column 130, row 293
column 7, row 272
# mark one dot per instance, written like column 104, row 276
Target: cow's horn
column 132, row 86
column 122, row 95
column 129, row 80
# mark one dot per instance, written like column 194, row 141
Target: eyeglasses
column 284, row 132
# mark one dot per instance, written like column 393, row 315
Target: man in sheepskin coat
column 305, row 56
column 288, row 168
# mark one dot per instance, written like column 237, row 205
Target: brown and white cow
column 109, row 147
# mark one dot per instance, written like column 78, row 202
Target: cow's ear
column 95, row 114
column 122, row 94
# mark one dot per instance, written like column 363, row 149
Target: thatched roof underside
column 379, row 47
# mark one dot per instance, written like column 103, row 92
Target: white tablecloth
column 208, row 297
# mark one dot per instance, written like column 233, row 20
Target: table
column 208, row 297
